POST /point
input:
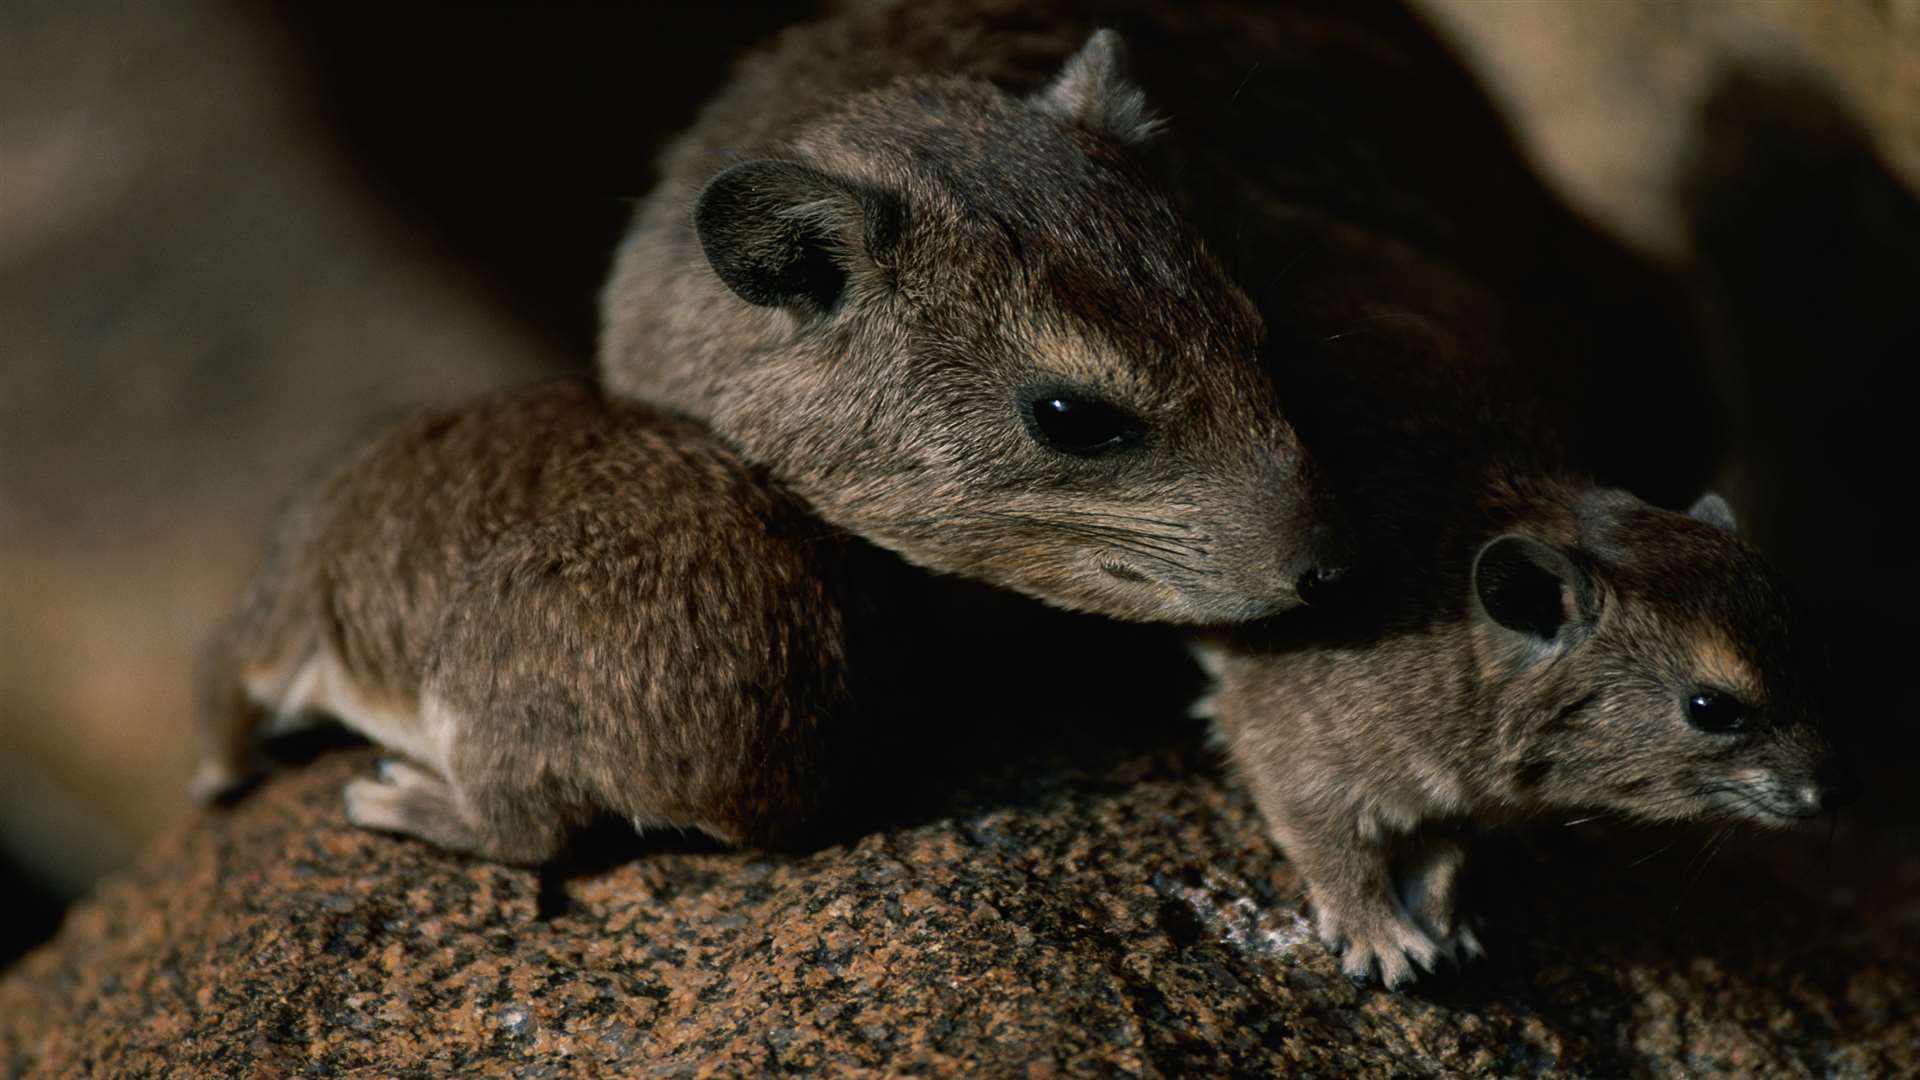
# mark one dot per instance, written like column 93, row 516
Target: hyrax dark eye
column 1076, row 424
column 1720, row 714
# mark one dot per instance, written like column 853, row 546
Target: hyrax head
column 989, row 343
column 1656, row 667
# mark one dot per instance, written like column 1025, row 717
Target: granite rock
column 1109, row 913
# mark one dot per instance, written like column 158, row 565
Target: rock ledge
column 1120, row 918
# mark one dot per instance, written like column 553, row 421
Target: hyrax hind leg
column 448, row 797
column 414, row 801
column 409, row 800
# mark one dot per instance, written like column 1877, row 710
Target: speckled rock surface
column 1119, row 916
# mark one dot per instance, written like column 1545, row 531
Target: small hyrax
column 552, row 608
column 1519, row 640
column 965, row 325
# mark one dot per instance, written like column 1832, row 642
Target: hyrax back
column 966, row 324
column 553, row 607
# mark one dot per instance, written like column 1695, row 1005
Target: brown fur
column 555, row 608
column 915, row 257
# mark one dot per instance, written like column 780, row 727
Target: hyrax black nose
column 1317, row 585
column 1839, row 784
column 1327, row 566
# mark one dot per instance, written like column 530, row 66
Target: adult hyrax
column 552, row 607
column 964, row 324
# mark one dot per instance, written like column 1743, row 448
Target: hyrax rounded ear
column 782, row 234
column 1714, row 510
column 1531, row 588
column 1094, row 91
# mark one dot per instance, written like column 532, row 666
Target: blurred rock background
column 233, row 237
column 1608, row 96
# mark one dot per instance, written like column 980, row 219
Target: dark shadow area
column 521, row 135
column 1436, row 222
column 1050, row 696
column 33, row 911
column 600, row 848
column 979, row 701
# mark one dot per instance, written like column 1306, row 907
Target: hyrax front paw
column 1376, row 940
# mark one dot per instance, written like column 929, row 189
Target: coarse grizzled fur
column 552, row 608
